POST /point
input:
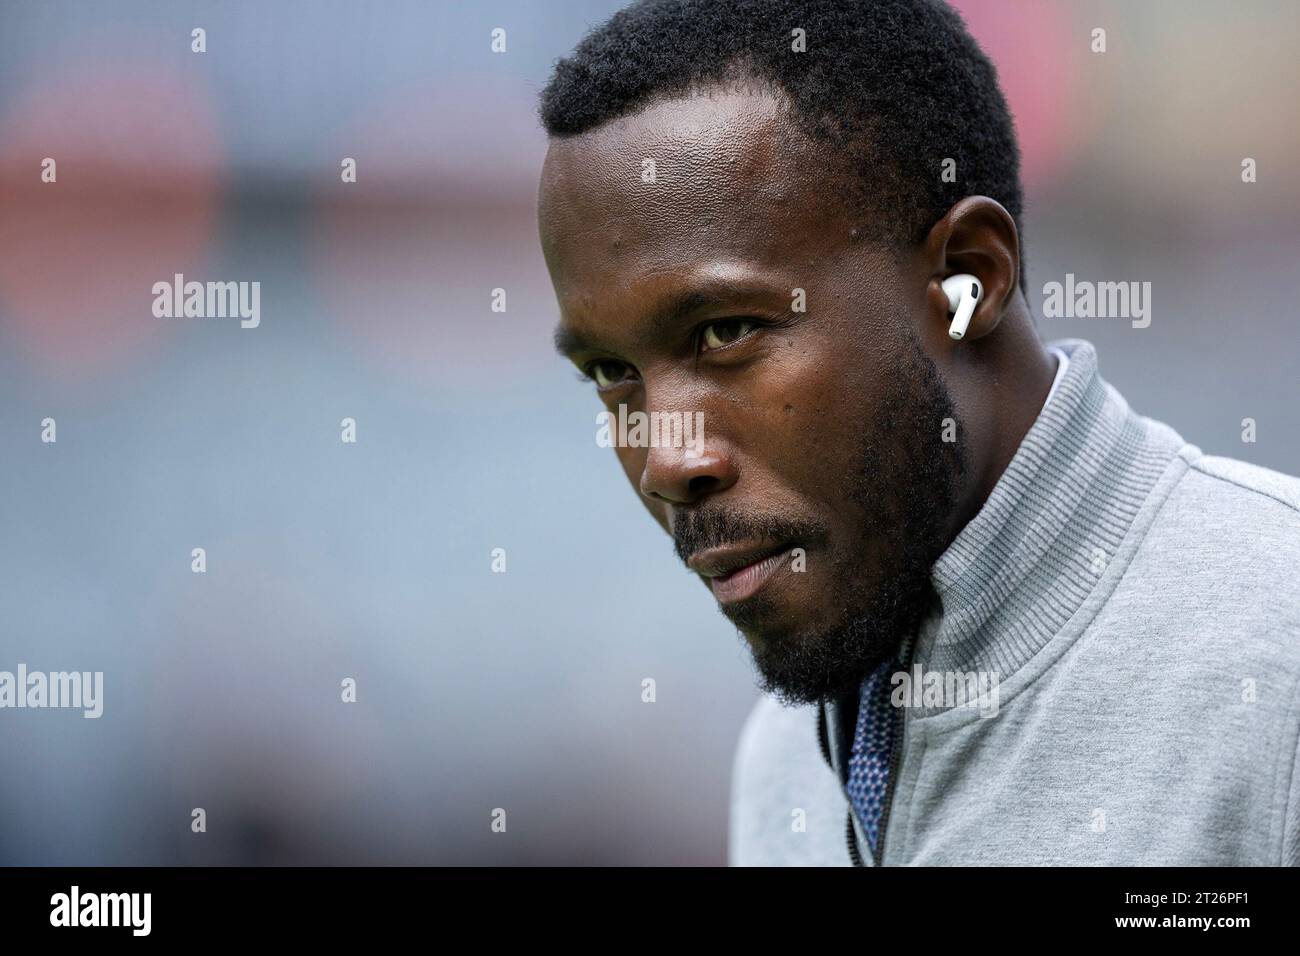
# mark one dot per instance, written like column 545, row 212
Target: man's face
column 678, row 241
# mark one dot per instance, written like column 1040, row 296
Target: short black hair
column 894, row 87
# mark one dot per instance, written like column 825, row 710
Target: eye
column 608, row 372
column 718, row 335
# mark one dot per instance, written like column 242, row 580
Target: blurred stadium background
column 476, row 690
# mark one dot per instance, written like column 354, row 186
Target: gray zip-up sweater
column 1132, row 608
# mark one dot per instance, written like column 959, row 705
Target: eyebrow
column 717, row 292
column 569, row 342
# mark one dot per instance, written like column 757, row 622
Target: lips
column 736, row 572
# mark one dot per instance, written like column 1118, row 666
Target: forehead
column 687, row 186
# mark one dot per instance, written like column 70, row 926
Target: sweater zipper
column 895, row 760
column 854, row 856
column 822, row 740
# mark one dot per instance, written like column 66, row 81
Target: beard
column 904, row 490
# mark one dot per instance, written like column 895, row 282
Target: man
column 1002, row 618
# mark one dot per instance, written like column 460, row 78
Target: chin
column 791, row 608
column 763, row 621
column 802, row 657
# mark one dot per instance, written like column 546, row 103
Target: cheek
column 816, row 406
column 632, row 461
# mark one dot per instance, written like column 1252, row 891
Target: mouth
column 736, row 572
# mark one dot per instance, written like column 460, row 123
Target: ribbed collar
column 1019, row 570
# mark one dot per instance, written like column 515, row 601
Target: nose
column 679, row 476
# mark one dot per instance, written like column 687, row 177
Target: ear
column 977, row 236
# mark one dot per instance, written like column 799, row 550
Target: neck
column 1000, row 383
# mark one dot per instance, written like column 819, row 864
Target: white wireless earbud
column 963, row 292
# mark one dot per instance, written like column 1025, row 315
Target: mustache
column 695, row 531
